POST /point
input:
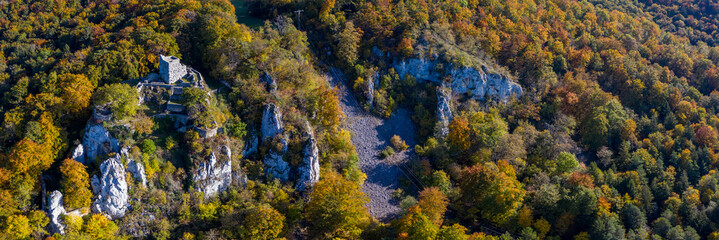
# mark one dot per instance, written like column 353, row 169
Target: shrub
column 235, row 127
column 148, row 146
column 398, row 143
column 389, row 151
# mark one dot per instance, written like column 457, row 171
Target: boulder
column 308, row 171
column 135, row 167
column 97, row 142
column 275, row 166
column 112, row 198
column 79, row 153
column 444, row 110
column 270, row 81
column 478, row 83
column 214, row 176
column 271, row 122
column 55, row 210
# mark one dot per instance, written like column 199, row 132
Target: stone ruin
column 171, row 70
column 173, row 79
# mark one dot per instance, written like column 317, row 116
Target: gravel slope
column 370, row 136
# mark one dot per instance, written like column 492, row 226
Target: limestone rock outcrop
column 95, row 184
column 444, row 110
column 271, row 122
column 251, row 146
column 78, row 153
column 97, row 142
column 308, row 171
column 135, row 167
column 369, row 92
column 275, row 166
column 214, row 176
column 112, row 198
column 270, row 81
column 55, row 210
column 478, row 83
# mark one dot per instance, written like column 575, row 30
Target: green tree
column 192, row 96
column 566, row 163
column 348, row 44
column 148, row 146
column 121, row 99
column 607, row 227
column 633, row 217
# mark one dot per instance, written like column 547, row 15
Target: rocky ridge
column 97, row 142
column 112, row 198
column 444, row 110
column 478, row 83
column 214, row 176
column 308, row 171
column 275, row 165
column 55, row 210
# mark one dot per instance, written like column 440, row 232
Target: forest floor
column 370, row 135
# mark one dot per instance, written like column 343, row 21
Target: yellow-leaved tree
column 75, row 184
column 76, row 93
column 336, row 208
column 491, row 191
column 261, row 223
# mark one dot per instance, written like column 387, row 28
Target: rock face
column 54, row 210
column 97, row 142
column 251, row 146
column 135, row 167
column 95, row 184
column 463, row 79
column 214, row 176
column 79, row 153
column 369, row 92
column 275, row 166
column 270, row 81
column 309, row 169
column 444, row 110
column 271, row 122
column 112, row 198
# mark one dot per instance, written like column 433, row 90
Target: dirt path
column 370, row 136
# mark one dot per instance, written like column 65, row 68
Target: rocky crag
column 214, row 175
column 112, row 198
column 55, row 210
column 308, row 171
column 444, row 110
column 477, row 83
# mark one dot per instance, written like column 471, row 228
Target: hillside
column 359, row 119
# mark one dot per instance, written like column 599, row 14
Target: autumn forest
column 359, row 119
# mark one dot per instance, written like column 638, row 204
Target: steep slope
column 371, row 134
